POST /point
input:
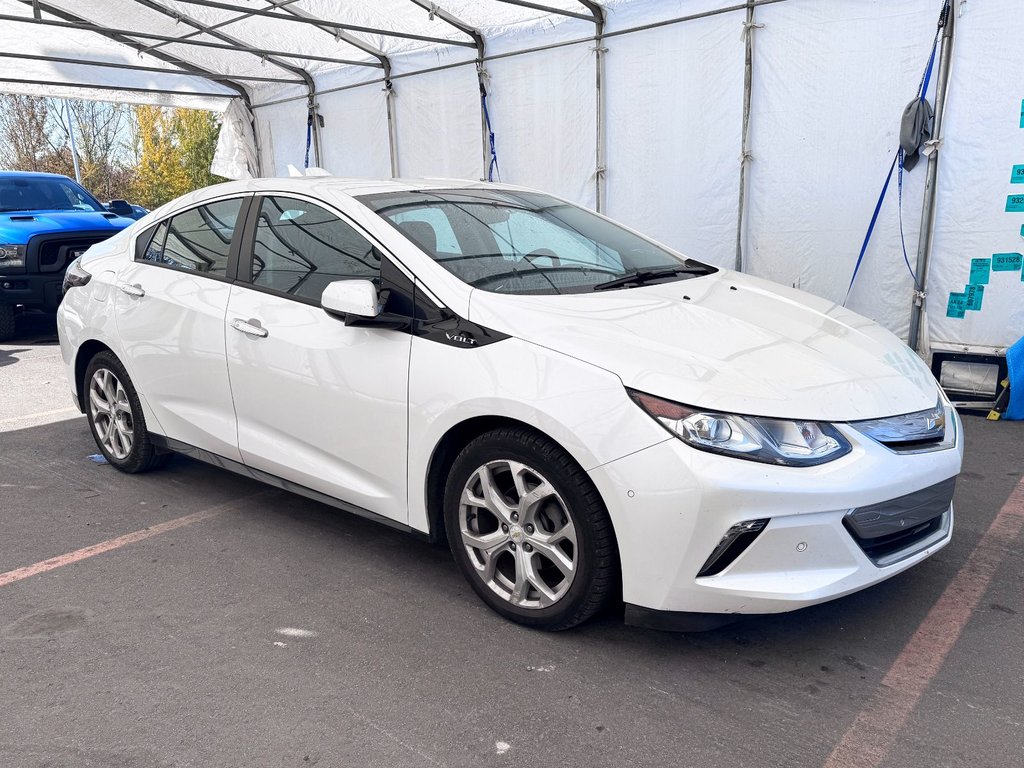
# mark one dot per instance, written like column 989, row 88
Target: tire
column 6, row 322
column 541, row 552
column 115, row 416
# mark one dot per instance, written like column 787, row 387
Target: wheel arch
column 448, row 448
column 86, row 352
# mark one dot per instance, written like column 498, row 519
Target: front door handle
column 251, row 327
column 132, row 290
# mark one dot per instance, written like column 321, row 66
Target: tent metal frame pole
column 549, row 9
column 184, row 66
column 745, row 156
column 481, row 72
column 107, row 87
column 80, row 22
column 140, row 68
column 925, row 240
column 535, row 49
column 269, row 14
column 221, row 24
column 600, row 155
column 270, row 58
column 381, row 57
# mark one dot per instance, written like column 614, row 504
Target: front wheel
column 115, row 416
column 529, row 530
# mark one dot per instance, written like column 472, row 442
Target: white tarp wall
column 830, row 80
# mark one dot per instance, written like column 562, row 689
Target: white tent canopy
column 644, row 109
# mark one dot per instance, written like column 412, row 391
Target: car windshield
column 527, row 242
column 44, row 193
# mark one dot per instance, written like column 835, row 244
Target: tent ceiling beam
column 121, row 88
column 80, row 22
column 385, row 62
column 547, row 9
column 269, row 14
column 226, row 22
column 140, row 68
column 89, row 26
column 272, row 58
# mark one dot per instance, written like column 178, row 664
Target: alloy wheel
column 519, row 534
column 111, row 413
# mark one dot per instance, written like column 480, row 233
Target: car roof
column 352, row 187
column 33, row 174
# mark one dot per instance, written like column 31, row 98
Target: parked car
column 126, row 210
column 576, row 408
column 46, row 222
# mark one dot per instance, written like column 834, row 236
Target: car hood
column 16, row 227
column 727, row 342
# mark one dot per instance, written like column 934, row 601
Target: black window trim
column 237, row 236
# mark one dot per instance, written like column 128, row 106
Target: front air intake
column 732, row 545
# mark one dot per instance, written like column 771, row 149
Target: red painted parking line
column 875, row 729
column 129, row 538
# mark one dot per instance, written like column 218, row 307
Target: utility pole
column 71, row 134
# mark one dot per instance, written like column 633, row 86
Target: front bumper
column 41, row 291
column 671, row 505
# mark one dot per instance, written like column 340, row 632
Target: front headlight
column 770, row 441
column 12, row 257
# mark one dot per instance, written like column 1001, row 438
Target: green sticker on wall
column 1017, row 175
column 974, row 294
column 1015, row 204
column 1022, row 114
column 957, row 305
column 980, row 269
column 1007, row 262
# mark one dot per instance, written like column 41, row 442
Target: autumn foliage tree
column 147, row 155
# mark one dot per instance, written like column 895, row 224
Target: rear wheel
column 115, row 416
column 529, row 531
column 6, row 321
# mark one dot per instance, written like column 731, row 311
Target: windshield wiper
column 644, row 276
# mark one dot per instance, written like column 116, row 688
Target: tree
column 176, row 149
column 197, row 138
column 102, row 139
column 25, row 128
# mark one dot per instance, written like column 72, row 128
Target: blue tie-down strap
column 309, row 137
column 1015, row 368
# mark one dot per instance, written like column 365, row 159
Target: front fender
column 583, row 408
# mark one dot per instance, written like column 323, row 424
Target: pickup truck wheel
column 115, row 416
column 6, row 322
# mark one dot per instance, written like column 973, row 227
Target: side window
column 197, row 240
column 300, row 248
column 150, row 245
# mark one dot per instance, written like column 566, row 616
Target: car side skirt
column 177, row 446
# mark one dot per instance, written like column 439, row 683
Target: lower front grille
column 901, row 527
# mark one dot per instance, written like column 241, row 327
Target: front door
column 318, row 403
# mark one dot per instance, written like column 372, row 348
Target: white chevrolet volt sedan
column 584, row 414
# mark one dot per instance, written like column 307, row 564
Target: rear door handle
column 132, row 290
column 251, row 327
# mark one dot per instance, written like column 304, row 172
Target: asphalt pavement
column 223, row 623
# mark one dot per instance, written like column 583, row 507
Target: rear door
column 320, row 403
column 170, row 308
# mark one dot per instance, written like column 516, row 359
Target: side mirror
column 351, row 297
column 121, row 208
